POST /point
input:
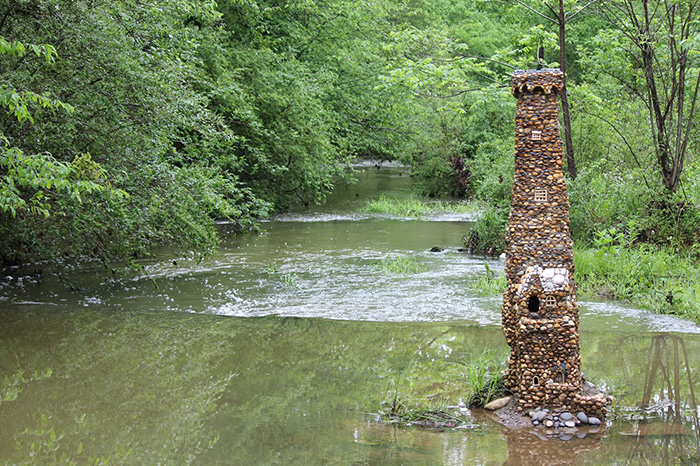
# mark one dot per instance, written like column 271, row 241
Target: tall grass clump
column 414, row 207
column 401, row 265
column 486, row 380
column 402, row 405
column 490, row 283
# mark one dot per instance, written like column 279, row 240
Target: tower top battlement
column 527, row 81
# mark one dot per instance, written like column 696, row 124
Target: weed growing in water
column 399, row 411
column 491, row 283
column 414, row 207
column 289, row 279
column 272, row 268
column 402, row 265
column 485, row 379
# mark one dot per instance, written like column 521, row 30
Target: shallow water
column 280, row 349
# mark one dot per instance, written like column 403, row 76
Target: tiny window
column 536, row 135
column 559, row 377
column 550, row 301
column 536, row 381
column 533, row 304
column 541, row 195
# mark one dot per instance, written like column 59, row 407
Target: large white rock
column 559, row 280
column 498, row 404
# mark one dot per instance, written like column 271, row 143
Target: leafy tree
column 129, row 71
column 659, row 42
column 28, row 181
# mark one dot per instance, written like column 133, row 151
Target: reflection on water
column 665, row 424
column 139, row 388
column 279, row 349
column 527, row 448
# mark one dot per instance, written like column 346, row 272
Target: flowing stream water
column 282, row 348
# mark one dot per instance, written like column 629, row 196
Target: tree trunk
column 568, row 143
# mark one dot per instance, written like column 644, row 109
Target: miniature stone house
column 540, row 309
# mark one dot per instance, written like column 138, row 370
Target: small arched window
column 550, row 301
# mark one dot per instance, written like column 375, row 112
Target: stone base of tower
column 582, row 414
column 595, row 404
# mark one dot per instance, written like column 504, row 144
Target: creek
column 280, row 349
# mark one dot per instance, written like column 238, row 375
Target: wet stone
column 582, row 417
column 566, row 416
column 570, row 424
column 594, row 421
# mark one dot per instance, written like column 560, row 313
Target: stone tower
column 540, row 309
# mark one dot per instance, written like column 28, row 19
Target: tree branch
column 574, row 15
column 624, row 139
column 537, row 12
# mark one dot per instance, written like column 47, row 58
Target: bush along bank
column 650, row 277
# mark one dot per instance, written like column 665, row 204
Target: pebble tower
column 540, row 309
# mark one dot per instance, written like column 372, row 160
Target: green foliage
column 434, row 175
column 414, row 207
column 401, row 265
column 133, row 124
column 486, row 381
column 649, row 277
column 289, row 279
column 609, row 197
column 488, row 235
column 490, row 283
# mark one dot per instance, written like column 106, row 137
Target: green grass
column 289, row 279
column 486, row 380
column 401, row 265
column 490, row 283
column 648, row 277
column 402, row 405
column 415, row 207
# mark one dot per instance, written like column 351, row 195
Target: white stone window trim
column 536, row 135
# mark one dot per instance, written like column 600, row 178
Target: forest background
column 130, row 124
